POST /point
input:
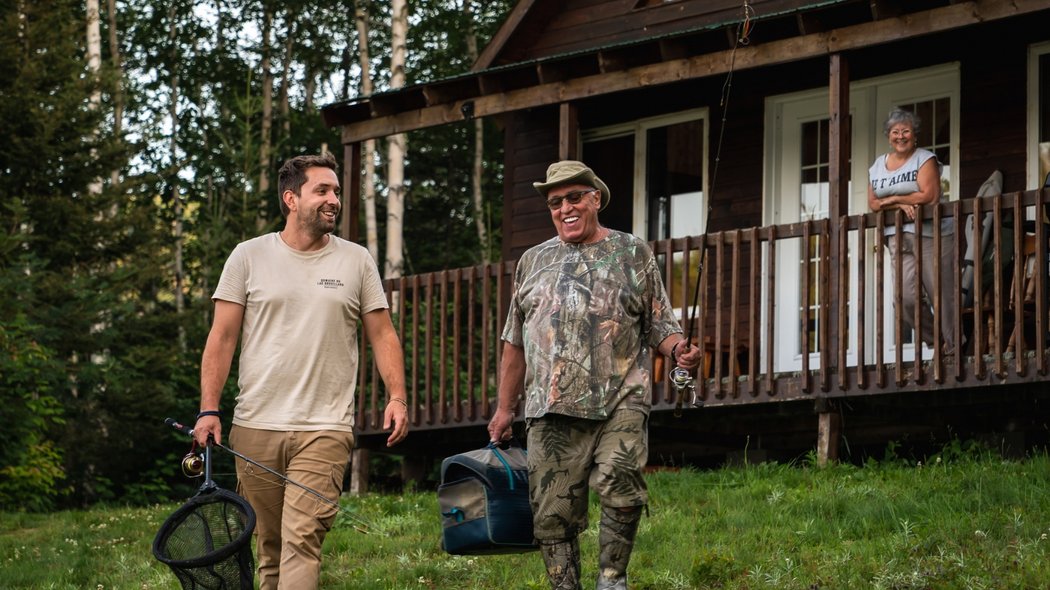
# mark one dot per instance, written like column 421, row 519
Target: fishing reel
column 683, row 382
column 193, row 463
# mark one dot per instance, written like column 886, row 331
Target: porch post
column 568, row 132
column 351, row 191
column 829, row 431
column 838, row 209
column 358, row 471
column 348, row 225
column 838, row 200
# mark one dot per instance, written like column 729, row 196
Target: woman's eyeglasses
column 573, row 198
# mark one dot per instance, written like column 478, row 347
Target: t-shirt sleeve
column 234, row 279
column 662, row 321
column 373, row 296
column 513, row 330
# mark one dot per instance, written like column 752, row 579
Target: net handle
column 209, row 485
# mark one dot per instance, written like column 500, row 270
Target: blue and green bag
column 484, row 500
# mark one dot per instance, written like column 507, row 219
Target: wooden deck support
column 829, row 431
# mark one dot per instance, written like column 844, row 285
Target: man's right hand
column 500, row 425
column 207, row 425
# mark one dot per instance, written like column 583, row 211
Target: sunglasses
column 573, row 198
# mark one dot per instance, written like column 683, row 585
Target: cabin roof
column 798, row 30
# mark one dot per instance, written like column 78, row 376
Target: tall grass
column 961, row 520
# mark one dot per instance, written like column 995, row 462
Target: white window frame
column 1035, row 51
column 869, row 106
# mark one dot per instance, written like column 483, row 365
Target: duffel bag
column 484, row 500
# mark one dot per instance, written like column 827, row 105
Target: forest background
column 139, row 143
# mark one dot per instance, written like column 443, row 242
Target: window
column 656, row 170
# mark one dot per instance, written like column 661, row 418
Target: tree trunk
column 286, row 76
column 94, row 51
column 267, row 117
column 368, row 188
column 479, row 149
column 94, row 63
column 118, row 91
column 396, row 148
column 177, row 229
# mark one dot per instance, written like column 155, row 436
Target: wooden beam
column 829, row 429
column 702, row 66
column 514, row 20
column 352, row 191
column 609, row 61
column 358, row 471
column 549, row 73
column 883, row 9
column 838, row 193
column 568, row 132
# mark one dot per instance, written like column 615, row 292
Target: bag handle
column 494, row 447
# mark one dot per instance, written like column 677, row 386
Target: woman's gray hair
column 899, row 115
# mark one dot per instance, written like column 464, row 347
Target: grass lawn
column 961, row 520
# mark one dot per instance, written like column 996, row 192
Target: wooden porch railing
column 450, row 321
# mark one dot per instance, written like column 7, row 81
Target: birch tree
column 118, row 84
column 94, row 63
column 479, row 148
column 267, row 114
column 396, row 148
column 368, row 151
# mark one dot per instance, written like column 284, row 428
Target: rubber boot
column 615, row 543
column 562, row 559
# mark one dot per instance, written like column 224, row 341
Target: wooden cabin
column 736, row 137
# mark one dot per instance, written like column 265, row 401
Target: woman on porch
column 905, row 178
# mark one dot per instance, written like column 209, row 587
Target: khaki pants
column 291, row 523
column 909, row 244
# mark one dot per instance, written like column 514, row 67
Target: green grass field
column 961, row 520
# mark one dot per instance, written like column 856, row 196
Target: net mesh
column 207, row 542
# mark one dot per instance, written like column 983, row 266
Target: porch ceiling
column 781, row 38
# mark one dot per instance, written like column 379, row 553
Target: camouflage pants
column 568, row 456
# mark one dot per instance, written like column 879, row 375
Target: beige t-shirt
column 298, row 361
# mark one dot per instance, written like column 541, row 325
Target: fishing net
column 207, row 542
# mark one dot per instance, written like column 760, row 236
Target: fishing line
column 681, row 379
column 360, row 522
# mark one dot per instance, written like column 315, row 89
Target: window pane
column 674, row 180
column 612, row 159
column 935, row 134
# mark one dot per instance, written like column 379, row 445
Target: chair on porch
column 1027, row 284
column 984, row 318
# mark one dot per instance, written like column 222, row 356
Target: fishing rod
column 680, row 378
column 189, row 466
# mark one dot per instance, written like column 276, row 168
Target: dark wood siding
column 993, row 120
column 531, row 145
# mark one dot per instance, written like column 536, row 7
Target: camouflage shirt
column 586, row 316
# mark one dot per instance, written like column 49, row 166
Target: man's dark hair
column 292, row 175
